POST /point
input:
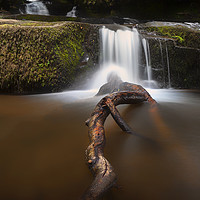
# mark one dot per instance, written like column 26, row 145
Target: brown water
column 43, row 140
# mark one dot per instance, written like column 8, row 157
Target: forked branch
column 104, row 174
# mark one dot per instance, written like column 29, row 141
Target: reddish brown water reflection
column 43, row 141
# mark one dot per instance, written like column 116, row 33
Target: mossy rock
column 183, row 36
column 37, row 58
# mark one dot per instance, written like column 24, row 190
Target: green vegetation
column 40, row 59
column 170, row 32
column 184, row 36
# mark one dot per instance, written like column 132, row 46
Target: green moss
column 38, row 24
column 184, row 36
column 179, row 38
column 37, row 59
column 6, row 25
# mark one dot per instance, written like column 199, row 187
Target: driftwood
column 105, row 177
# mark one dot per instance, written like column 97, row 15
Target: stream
column 43, row 140
column 43, row 137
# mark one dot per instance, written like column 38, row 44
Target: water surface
column 43, row 140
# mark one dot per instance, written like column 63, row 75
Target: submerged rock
column 112, row 85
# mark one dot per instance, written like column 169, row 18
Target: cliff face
column 44, row 57
column 175, row 54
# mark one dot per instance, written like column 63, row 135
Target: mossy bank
column 42, row 57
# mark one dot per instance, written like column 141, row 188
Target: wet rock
column 175, row 53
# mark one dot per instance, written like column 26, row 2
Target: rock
column 44, row 56
column 175, row 53
column 112, row 85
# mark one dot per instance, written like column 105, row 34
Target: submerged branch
column 104, row 174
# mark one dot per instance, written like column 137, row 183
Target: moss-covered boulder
column 44, row 57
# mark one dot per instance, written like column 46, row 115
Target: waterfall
column 72, row 13
column 36, row 7
column 120, row 53
column 168, row 68
column 148, row 59
column 165, row 65
column 121, row 48
column 162, row 61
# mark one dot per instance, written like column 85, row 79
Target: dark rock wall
column 184, row 64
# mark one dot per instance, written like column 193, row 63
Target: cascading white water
column 72, row 13
column 168, row 68
column 147, row 58
column 162, row 61
column 121, row 51
column 120, row 54
column 36, row 7
column 121, row 48
column 167, row 64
